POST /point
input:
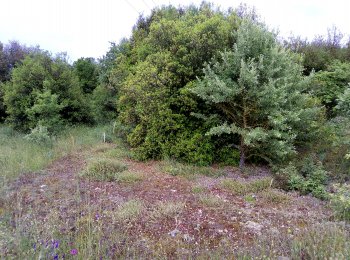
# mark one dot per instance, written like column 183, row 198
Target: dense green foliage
column 86, row 70
column 195, row 84
column 166, row 54
column 340, row 201
column 259, row 88
column 44, row 90
column 330, row 83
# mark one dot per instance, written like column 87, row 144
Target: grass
column 167, row 209
column 129, row 177
column 189, row 171
column 210, row 200
column 198, row 189
column 130, row 210
column 325, row 240
column 18, row 156
column 103, row 170
column 243, row 188
column 98, row 223
column 274, row 196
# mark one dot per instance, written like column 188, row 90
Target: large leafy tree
column 86, row 70
column 39, row 82
column 258, row 86
column 113, row 69
column 166, row 53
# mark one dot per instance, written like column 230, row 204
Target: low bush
column 309, row 177
column 340, row 201
column 104, row 170
column 39, row 135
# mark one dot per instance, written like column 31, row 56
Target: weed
column 167, row 209
column 274, row 196
column 235, row 187
column 242, row 188
column 210, row 200
column 129, row 211
column 129, row 177
column 198, row 189
column 340, row 201
column 189, row 171
column 250, row 198
column 322, row 241
column 104, row 170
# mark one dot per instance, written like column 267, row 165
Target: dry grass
column 167, row 209
column 103, row 170
column 243, row 188
column 189, row 171
column 210, row 200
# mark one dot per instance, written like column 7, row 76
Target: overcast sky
column 84, row 28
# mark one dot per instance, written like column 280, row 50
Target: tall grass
column 18, row 155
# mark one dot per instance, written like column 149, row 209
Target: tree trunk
column 242, row 154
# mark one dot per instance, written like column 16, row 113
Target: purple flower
column 55, row 243
column 34, row 246
column 55, row 257
column 97, row 216
column 74, row 251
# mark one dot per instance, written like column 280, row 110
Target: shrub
column 287, row 177
column 104, row 170
column 228, row 156
column 311, row 178
column 39, row 135
column 340, row 201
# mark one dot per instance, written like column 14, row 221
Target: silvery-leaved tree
column 258, row 86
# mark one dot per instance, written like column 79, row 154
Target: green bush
column 39, row 135
column 44, row 88
column 310, row 178
column 193, row 148
column 340, row 201
column 165, row 56
column 228, row 156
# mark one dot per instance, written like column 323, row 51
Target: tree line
column 199, row 85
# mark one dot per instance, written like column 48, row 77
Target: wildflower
column 34, row 246
column 55, row 257
column 74, row 251
column 55, row 243
column 97, row 216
